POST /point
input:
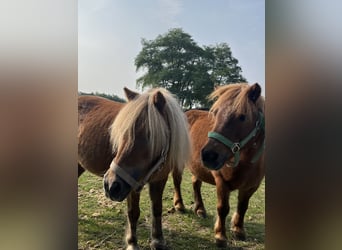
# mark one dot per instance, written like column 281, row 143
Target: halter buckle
column 235, row 148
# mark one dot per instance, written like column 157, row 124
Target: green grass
column 102, row 222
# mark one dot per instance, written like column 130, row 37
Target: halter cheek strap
column 137, row 185
column 126, row 177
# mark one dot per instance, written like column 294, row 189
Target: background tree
column 175, row 61
column 223, row 66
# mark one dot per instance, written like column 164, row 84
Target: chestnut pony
column 228, row 151
column 131, row 144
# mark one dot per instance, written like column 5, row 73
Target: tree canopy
column 176, row 62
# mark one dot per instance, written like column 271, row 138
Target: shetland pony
column 228, row 151
column 130, row 145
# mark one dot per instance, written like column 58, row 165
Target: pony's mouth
column 230, row 162
column 212, row 159
column 215, row 165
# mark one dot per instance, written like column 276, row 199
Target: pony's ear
column 159, row 101
column 254, row 92
column 130, row 95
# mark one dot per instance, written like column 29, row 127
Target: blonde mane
column 235, row 98
column 171, row 135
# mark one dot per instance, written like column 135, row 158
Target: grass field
column 102, row 222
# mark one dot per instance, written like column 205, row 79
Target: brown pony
column 228, row 145
column 130, row 145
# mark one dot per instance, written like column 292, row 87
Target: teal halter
column 235, row 147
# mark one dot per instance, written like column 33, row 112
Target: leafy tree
column 110, row 97
column 175, row 61
column 223, row 66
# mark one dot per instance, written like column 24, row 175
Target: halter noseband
column 235, row 147
column 137, row 185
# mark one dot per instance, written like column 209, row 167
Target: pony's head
column 238, row 113
column 149, row 134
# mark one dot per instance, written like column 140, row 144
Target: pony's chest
column 235, row 178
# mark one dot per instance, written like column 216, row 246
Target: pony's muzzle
column 116, row 190
column 212, row 159
column 209, row 159
column 209, row 156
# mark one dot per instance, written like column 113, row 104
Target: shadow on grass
column 99, row 234
column 255, row 232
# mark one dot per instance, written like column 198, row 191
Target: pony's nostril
column 209, row 156
column 115, row 188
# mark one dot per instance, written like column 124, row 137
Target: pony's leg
column 177, row 197
column 132, row 216
column 156, row 194
column 222, row 212
column 237, row 222
column 199, row 206
column 80, row 170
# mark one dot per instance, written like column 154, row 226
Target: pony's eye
column 242, row 117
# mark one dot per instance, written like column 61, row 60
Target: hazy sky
column 110, row 32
